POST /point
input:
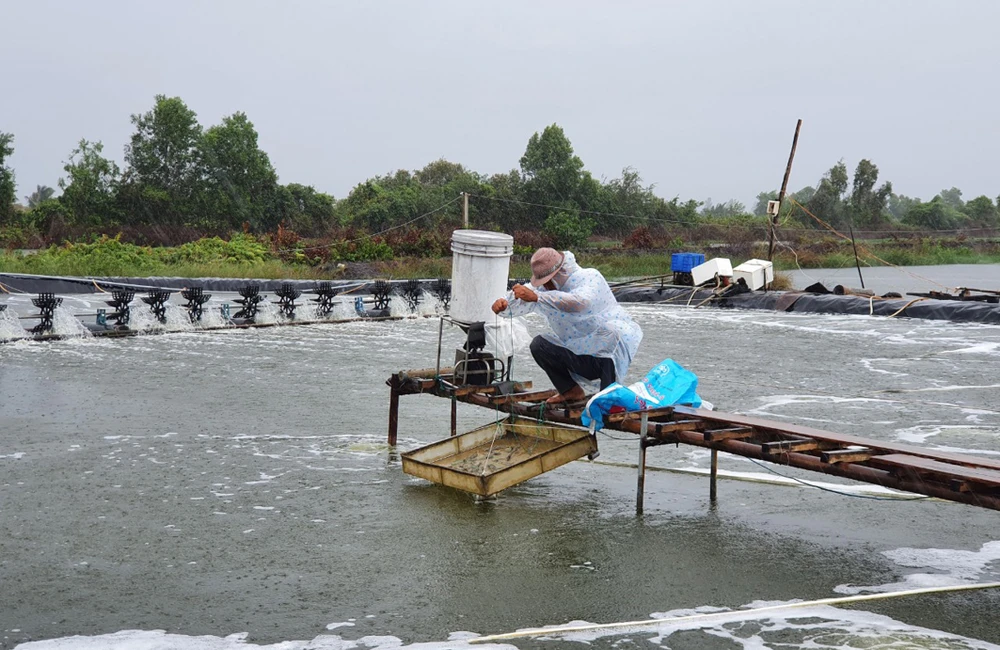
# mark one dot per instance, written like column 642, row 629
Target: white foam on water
column 940, row 389
column 869, row 365
column 950, row 567
column 921, row 432
column 986, row 348
column 161, row 640
column 795, row 627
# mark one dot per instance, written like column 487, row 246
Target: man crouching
column 592, row 336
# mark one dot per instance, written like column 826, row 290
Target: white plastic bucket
column 480, row 263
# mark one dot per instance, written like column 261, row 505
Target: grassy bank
column 244, row 256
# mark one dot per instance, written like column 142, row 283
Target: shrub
column 568, row 229
column 641, row 238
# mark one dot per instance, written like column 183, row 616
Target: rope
column 903, row 308
column 746, row 613
column 863, row 247
column 7, row 289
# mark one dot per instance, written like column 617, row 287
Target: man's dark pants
column 558, row 362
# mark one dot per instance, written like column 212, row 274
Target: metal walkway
column 964, row 478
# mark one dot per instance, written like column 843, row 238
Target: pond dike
column 800, row 301
column 785, row 301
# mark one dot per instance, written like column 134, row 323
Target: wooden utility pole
column 465, row 210
column 781, row 195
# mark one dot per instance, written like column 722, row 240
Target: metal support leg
column 393, row 412
column 641, row 480
column 713, row 476
column 454, row 416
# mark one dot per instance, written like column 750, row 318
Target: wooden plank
column 842, row 440
column 786, row 446
column 846, row 455
column 732, row 433
column 925, row 466
column 636, row 415
column 530, row 397
column 486, row 390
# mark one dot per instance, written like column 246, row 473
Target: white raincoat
column 584, row 316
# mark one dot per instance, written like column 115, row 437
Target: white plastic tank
column 480, row 264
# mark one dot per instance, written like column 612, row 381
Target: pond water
column 231, row 489
column 883, row 279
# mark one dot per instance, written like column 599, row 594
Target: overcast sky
column 700, row 97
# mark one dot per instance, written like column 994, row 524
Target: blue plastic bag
column 667, row 384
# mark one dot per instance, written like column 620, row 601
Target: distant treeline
column 182, row 181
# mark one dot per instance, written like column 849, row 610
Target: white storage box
column 756, row 273
column 706, row 272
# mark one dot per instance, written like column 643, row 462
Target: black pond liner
column 794, row 301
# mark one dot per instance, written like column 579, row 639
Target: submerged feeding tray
column 497, row 456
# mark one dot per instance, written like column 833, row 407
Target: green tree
column 629, row 196
column 164, row 159
column 90, row 184
column 41, row 193
column 867, row 205
column 8, row 186
column 305, row 210
column 568, row 229
column 828, row 201
column 952, row 198
column 899, row 205
column 383, row 201
column 982, row 212
column 241, row 184
column 936, row 214
column 727, row 210
column 505, row 210
column 554, row 175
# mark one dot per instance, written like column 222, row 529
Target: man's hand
column 499, row 305
column 524, row 293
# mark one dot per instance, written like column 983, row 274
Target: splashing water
column 177, row 319
column 267, row 313
column 10, row 327
column 429, row 305
column 64, row 323
column 211, row 317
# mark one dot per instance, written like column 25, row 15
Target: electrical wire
column 375, row 234
column 873, row 497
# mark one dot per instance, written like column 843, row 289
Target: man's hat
column 545, row 263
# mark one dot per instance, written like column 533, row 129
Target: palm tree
column 41, row 193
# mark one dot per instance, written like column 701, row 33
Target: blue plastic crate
column 684, row 262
